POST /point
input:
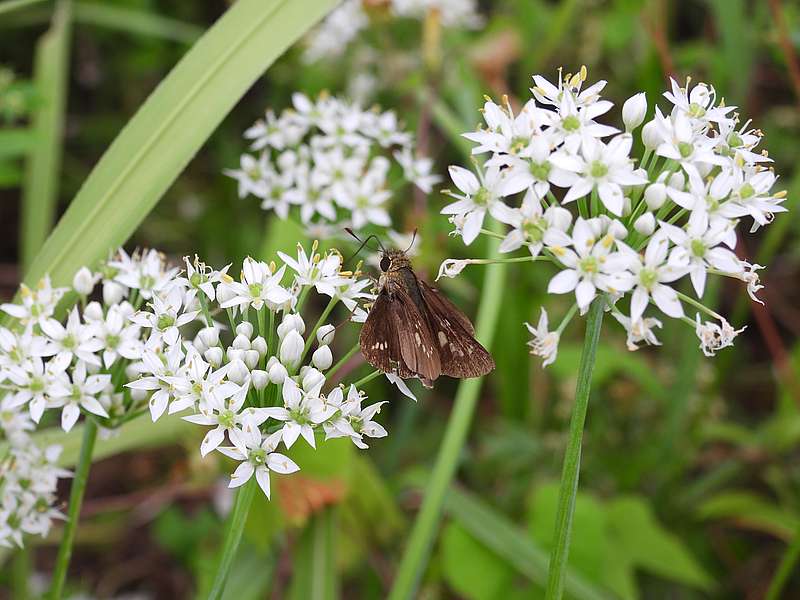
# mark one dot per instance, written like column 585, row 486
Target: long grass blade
column 40, row 190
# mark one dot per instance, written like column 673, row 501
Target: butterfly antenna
column 413, row 239
column 364, row 242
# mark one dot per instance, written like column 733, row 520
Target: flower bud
column 291, row 322
column 277, row 373
column 214, row 356
column 634, row 111
column 291, row 349
column 677, row 181
column 210, row 336
column 312, row 379
column 199, row 344
column 259, row 345
column 240, row 342
column 558, row 217
column 651, row 138
column 646, row 224
column 617, row 229
column 251, row 358
column 245, row 328
column 138, row 395
column 322, row 358
column 83, row 282
column 259, row 379
column 325, row 334
column 234, row 354
column 93, row 312
column 224, row 293
column 113, row 292
column 626, row 206
column 238, row 372
column 655, row 195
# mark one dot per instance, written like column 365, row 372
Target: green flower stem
column 698, row 305
column 356, row 347
column 416, row 554
column 572, row 456
column 367, row 378
column 785, row 568
column 74, row 509
column 322, row 318
column 233, row 535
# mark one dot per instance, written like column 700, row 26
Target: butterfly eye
column 385, row 263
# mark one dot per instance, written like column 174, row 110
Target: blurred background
column 690, row 486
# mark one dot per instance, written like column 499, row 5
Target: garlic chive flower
column 637, row 232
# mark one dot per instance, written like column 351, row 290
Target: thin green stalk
column 367, row 378
column 572, row 456
column 21, row 573
column 313, row 334
column 12, row 5
column 785, row 569
column 74, row 509
column 342, row 361
column 233, row 535
column 416, row 554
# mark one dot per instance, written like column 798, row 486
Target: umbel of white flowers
column 152, row 343
column 331, row 162
column 627, row 229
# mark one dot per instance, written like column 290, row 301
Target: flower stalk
column 73, row 511
column 572, row 456
column 233, row 536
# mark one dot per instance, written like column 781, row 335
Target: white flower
column 544, row 342
column 634, row 111
column 507, row 133
column 161, row 367
column 117, row 336
column 302, row 411
column 699, row 246
column 606, row 167
column 685, row 145
column 143, row 271
column 401, row 385
column 38, row 304
column 81, row 393
column 749, row 276
column 352, row 421
column 250, row 175
column 258, row 456
column 713, row 337
column 291, row 349
column 650, row 273
column 351, row 292
column 638, row 331
column 698, row 104
column 322, row 358
column 452, row 267
column 530, row 224
column 32, row 382
column 258, row 286
column 591, row 265
column 76, row 339
column 200, row 277
column 477, row 197
column 320, row 271
column 417, row 169
column 169, row 314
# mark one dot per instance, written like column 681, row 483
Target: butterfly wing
column 461, row 355
column 396, row 337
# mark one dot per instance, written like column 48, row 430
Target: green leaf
column 169, row 128
column 501, row 536
column 42, row 176
column 12, row 5
column 650, row 546
column 751, row 511
column 472, row 570
column 314, row 560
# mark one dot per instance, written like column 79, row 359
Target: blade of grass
column 15, row 142
column 166, row 132
column 501, row 536
column 785, row 568
column 137, row 22
column 12, row 5
column 40, row 191
column 418, row 548
column 315, row 560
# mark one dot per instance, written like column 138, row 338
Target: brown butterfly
column 412, row 330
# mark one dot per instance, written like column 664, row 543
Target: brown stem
column 776, row 8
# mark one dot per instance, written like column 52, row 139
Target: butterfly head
column 393, row 260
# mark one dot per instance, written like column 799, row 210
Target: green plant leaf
column 751, row 511
column 501, row 536
column 314, row 561
column 169, row 128
column 137, row 22
column 472, row 570
column 650, row 546
column 42, row 174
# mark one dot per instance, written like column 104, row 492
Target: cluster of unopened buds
column 333, row 162
column 230, row 354
column 627, row 231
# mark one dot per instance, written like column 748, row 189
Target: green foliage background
column 690, row 486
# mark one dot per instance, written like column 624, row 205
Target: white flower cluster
column 343, row 24
column 331, row 160
column 28, row 478
column 257, row 383
column 613, row 226
column 76, row 366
